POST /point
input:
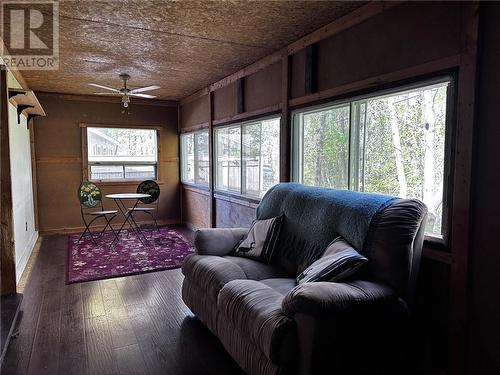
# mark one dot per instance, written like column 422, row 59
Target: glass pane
column 228, row 141
column 106, row 172
column 140, row 172
column 251, row 158
column 222, row 152
column 202, row 154
column 270, row 154
column 325, row 148
column 121, row 145
column 402, row 147
column 187, row 154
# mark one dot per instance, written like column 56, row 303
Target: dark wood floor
column 129, row 325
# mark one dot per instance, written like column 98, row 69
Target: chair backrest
column 89, row 194
column 149, row 187
column 387, row 230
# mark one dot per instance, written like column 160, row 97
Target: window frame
column 120, row 181
column 296, row 156
column 195, row 182
column 241, row 125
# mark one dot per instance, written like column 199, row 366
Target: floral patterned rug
column 128, row 256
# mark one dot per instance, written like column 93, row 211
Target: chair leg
column 156, row 224
column 154, row 219
column 108, row 224
column 87, row 229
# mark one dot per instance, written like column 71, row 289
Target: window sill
column 195, row 186
column 435, row 243
column 123, row 182
column 243, row 200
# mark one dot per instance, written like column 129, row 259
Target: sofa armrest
column 339, row 323
column 217, row 241
column 319, row 298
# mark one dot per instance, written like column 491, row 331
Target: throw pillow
column 338, row 262
column 260, row 241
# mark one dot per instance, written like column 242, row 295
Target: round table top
column 127, row 196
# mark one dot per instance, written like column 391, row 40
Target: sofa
column 271, row 325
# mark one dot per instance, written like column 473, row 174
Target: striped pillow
column 338, row 262
column 260, row 241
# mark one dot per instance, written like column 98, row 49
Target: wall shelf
column 26, row 103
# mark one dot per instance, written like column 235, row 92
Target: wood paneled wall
column 195, row 114
column 484, row 304
column 196, row 207
column 58, row 147
column 377, row 46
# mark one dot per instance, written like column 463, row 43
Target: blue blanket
column 315, row 216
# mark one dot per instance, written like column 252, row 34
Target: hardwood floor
column 129, row 325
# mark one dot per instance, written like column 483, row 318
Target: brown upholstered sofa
column 271, row 325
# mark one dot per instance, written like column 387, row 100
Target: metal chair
column 90, row 198
column 148, row 205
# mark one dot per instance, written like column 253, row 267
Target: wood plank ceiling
column 181, row 46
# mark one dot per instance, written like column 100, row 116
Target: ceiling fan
column 125, row 92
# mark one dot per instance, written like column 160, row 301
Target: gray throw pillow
column 338, row 262
column 260, row 241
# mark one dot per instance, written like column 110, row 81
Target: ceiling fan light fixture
column 125, row 100
column 125, row 92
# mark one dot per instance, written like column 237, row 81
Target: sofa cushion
column 211, row 272
column 337, row 263
column 281, row 285
column 255, row 270
column 255, row 309
column 217, row 241
column 260, row 241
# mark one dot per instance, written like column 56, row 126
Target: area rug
column 128, row 256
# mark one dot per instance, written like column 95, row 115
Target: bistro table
column 119, row 199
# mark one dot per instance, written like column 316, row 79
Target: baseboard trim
column 79, row 229
column 21, row 265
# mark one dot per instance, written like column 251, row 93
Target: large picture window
column 195, row 161
column 247, row 157
column 392, row 143
column 121, row 154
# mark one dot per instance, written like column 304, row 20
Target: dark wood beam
column 248, row 115
column 212, row 218
column 311, row 69
column 462, row 179
column 33, row 173
column 240, row 95
column 193, row 128
column 285, row 125
column 8, row 259
column 179, row 154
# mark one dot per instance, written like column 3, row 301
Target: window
column 195, row 163
column 248, row 157
column 392, row 144
column 121, row 154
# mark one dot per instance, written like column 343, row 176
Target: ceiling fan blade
column 142, row 89
column 143, row 96
column 108, row 93
column 104, row 87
